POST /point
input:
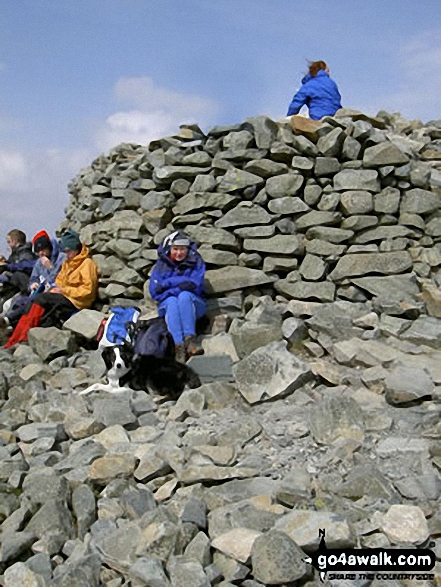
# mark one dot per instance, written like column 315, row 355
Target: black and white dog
column 125, row 372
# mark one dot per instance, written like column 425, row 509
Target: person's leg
column 20, row 281
column 21, row 305
column 170, row 309
column 191, row 307
column 57, row 308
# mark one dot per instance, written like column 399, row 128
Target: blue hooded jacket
column 47, row 276
column 319, row 93
column 169, row 278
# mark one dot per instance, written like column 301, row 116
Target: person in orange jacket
column 75, row 289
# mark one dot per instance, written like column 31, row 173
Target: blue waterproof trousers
column 181, row 313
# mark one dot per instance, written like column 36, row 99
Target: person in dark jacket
column 16, row 270
column 177, row 284
column 43, row 276
column 319, row 92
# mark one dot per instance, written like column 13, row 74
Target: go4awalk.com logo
column 370, row 563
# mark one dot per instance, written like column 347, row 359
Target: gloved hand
column 187, row 286
column 160, row 289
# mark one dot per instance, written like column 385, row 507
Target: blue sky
column 78, row 77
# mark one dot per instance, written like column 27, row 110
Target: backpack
column 114, row 329
column 151, row 338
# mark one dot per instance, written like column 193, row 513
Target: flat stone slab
column 231, row 278
column 303, row 527
column 362, row 263
column 268, row 372
column 405, row 524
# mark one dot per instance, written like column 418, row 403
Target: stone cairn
column 320, row 402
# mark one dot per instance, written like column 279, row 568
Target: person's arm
column 299, row 100
column 195, row 281
column 82, row 293
column 25, row 265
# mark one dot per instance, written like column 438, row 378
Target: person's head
column 15, row 238
column 178, row 244
column 316, row 66
column 42, row 244
column 70, row 243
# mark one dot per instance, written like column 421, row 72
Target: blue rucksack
column 151, row 338
column 114, row 329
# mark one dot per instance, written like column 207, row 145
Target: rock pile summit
column 321, row 396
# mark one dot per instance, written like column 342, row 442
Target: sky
column 78, row 77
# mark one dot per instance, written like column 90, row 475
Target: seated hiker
column 42, row 278
column 75, row 289
column 319, row 92
column 177, row 284
column 16, row 270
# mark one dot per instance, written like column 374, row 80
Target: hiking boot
column 192, row 346
column 180, row 354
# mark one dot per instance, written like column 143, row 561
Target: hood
column 55, row 249
column 78, row 259
column 190, row 259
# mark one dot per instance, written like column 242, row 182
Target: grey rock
column 237, row 179
column 330, row 145
column 312, row 268
column 113, row 411
column 387, row 201
column 356, row 202
column 264, row 130
column 329, row 202
column 20, row 574
column 280, row 186
column 329, row 233
column 335, row 418
column 43, row 485
column 266, row 168
column 198, row 201
column 168, row 173
column 302, row 163
column 359, row 222
column 269, row 372
column 84, row 509
column 148, row 571
column 326, row 166
column 315, row 218
column 362, row 263
column 303, row 529
column 231, row 278
column 384, row 154
column 85, row 323
column 324, row 291
column 50, row 343
column 324, row 248
column 419, row 201
column 245, row 214
column 14, row 544
column 216, row 237
column 53, row 524
column 425, row 330
column 212, row 367
column 278, row 244
column 354, row 179
column 288, row 205
column 277, row 559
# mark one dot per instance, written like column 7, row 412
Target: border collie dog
column 125, row 373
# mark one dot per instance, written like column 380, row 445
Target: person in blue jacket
column 177, row 284
column 16, row 270
column 319, row 92
column 43, row 275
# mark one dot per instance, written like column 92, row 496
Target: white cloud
column 14, row 170
column 33, row 188
column 158, row 112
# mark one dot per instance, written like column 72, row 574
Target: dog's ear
column 108, row 355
